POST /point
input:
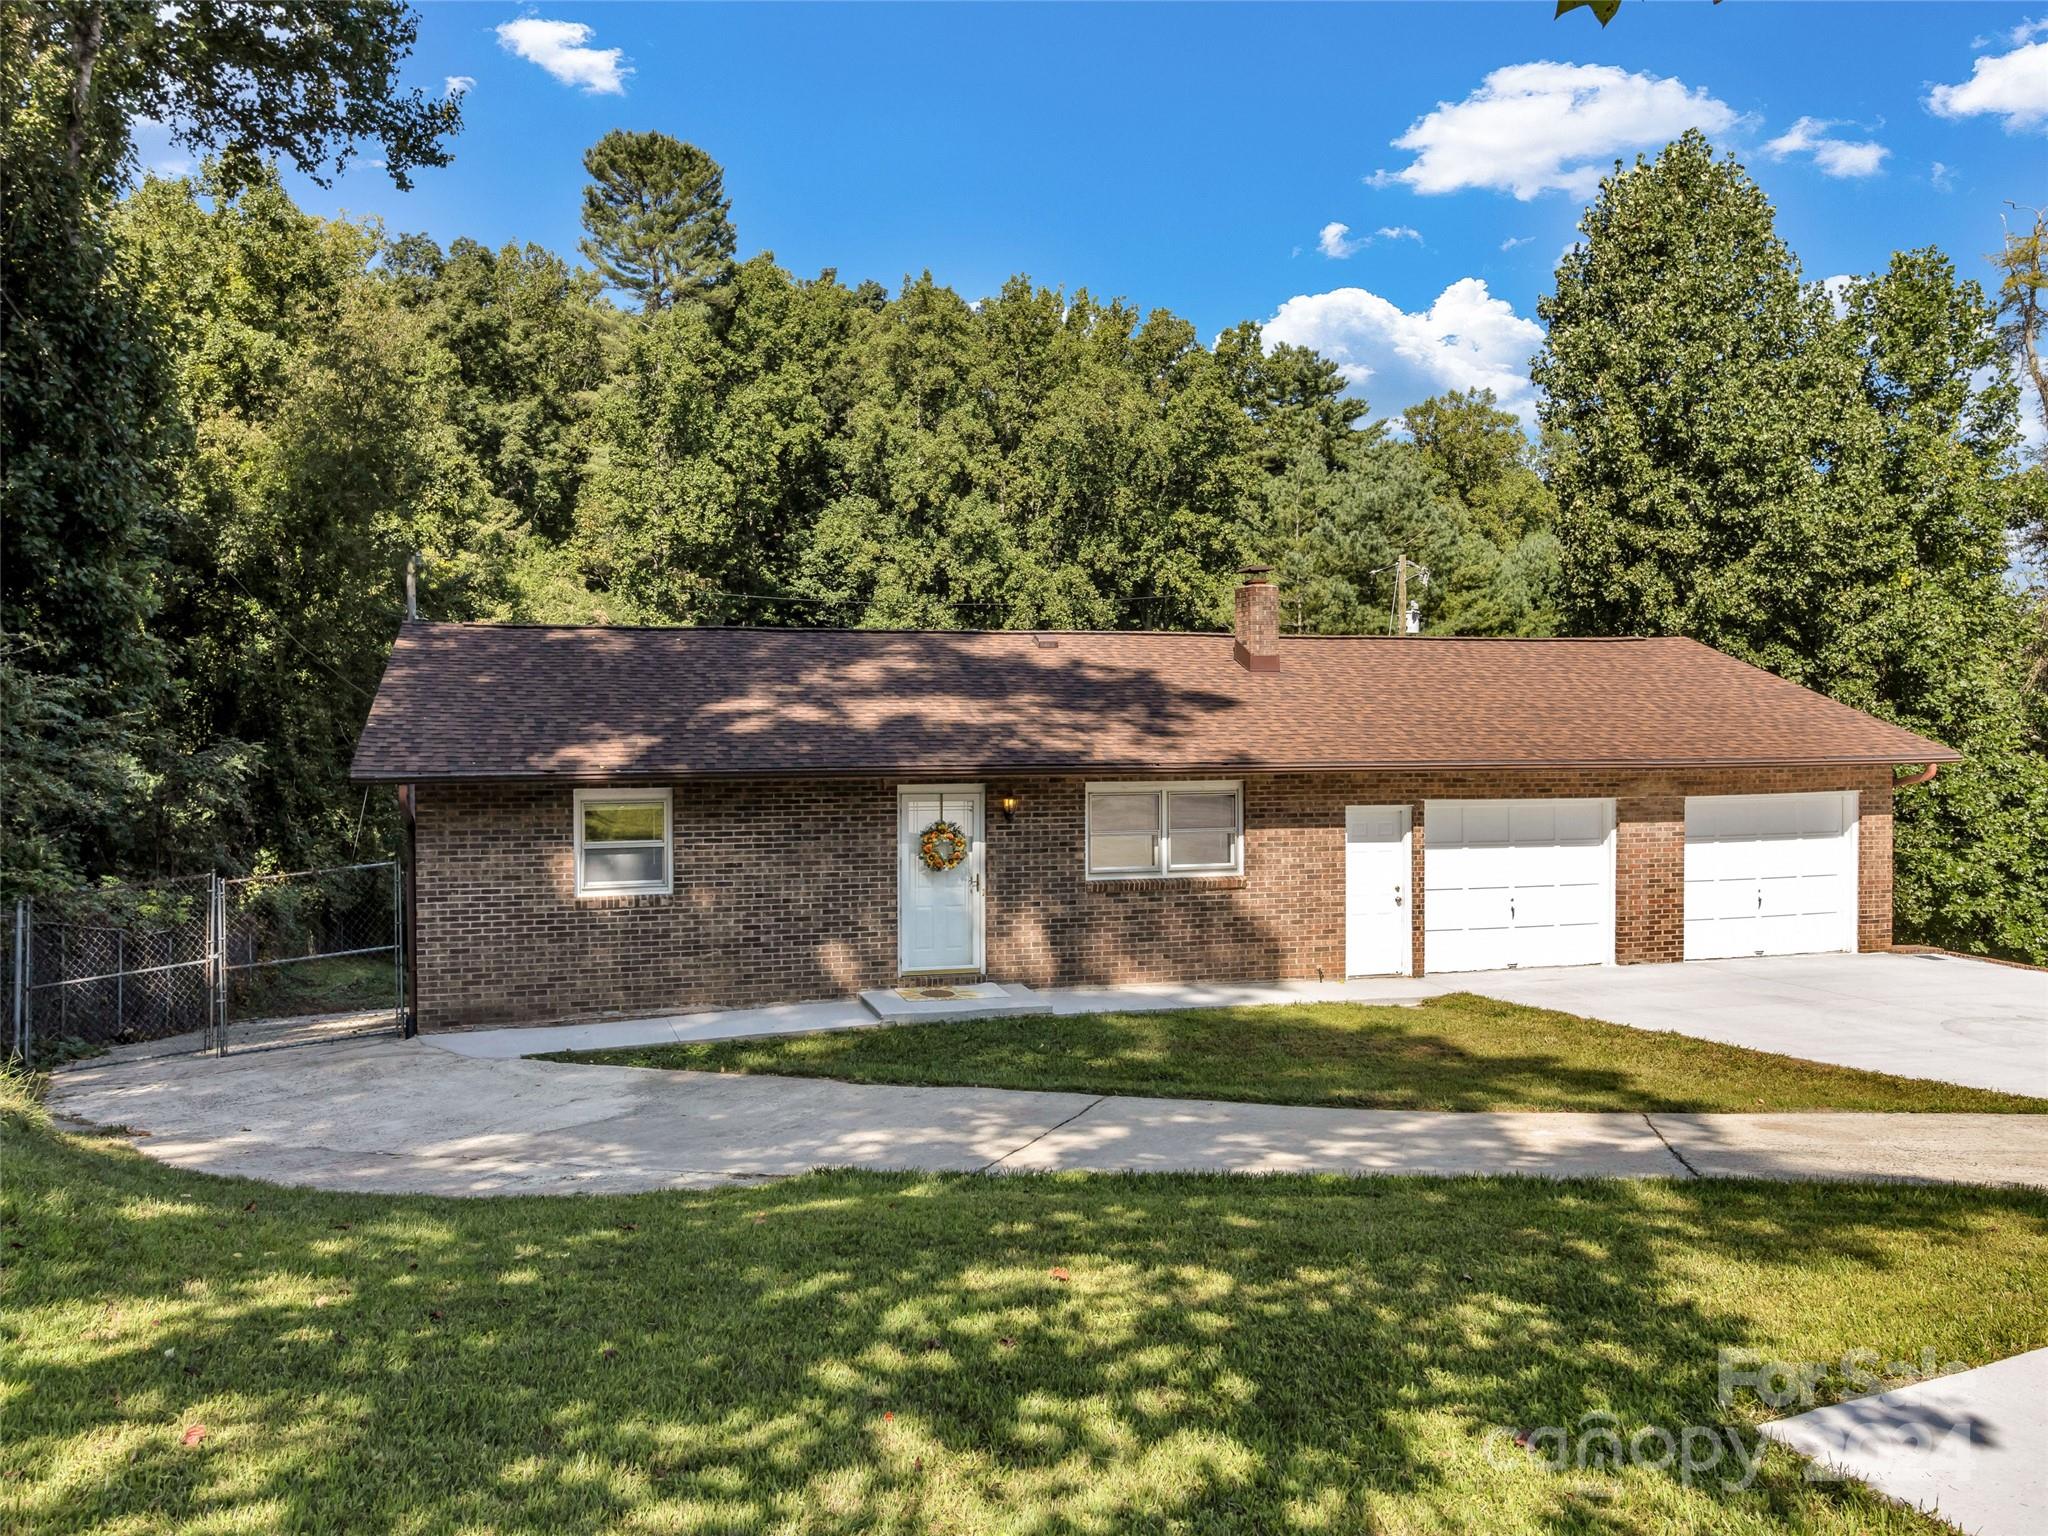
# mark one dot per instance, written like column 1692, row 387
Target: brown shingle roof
column 462, row 701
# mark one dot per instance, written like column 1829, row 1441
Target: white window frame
column 662, row 887
column 1164, row 869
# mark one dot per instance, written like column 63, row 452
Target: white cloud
column 1544, row 127
column 558, row 47
column 1837, row 290
column 1467, row 339
column 1514, row 240
column 1835, row 157
column 2012, row 86
column 1336, row 242
column 2027, row 31
column 460, row 85
column 1942, row 178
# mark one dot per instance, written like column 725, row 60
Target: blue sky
column 1197, row 157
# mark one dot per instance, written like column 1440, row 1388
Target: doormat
column 944, row 994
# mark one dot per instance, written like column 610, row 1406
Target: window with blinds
column 1136, row 830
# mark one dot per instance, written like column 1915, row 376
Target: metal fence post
column 20, row 978
column 398, row 947
column 213, row 962
column 220, row 964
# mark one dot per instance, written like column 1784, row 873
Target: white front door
column 938, row 922
column 1769, row 874
column 1377, row 936
column 1517, row 883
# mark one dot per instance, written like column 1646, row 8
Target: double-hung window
column 1135, row 830
column 622, row 842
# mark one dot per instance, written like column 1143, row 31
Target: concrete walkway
column 1966, row 1447
column 394, row 1115
column 850, row 1013
column 1940, row 1017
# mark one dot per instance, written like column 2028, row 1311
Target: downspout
column 1925, row 775
column 408, row 799
column 408, row 811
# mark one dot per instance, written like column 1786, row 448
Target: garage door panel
column 1823, row 815
column 1582, row 821
column 1495, row 867
column 1574, row 906
column 1789, row 858
column 1455, row 951
column 1816, row 897
column 1770, row 874
column 1455, row 908
column 1719, row 899
column 1514, row 883
column 1578, row 864
column 1718, row 861
column 1476, row 826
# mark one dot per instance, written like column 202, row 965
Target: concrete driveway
column 404, row 1115
column 1935, row 1016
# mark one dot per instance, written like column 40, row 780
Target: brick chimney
column 1258, row 621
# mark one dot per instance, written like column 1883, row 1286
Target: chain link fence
column 111, row 965
column 202, row 963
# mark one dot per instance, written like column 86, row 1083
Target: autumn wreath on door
column 942, row 846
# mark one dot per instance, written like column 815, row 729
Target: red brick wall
column 788, row 890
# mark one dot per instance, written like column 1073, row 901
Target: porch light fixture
column 1008, row 806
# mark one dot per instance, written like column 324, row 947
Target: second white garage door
column 1517, row 883
column 1769, row 874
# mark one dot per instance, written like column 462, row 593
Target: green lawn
column 1457, row 1052
column 849, row 1352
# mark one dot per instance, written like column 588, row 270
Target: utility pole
column 1398, row 620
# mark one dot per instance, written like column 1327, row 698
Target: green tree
column 656, row 220
column 2023, row 315
column 1941, row 641
column 322, row 453
column 531, row 342
column 1507, row 557
column 1486, row 459
column 1826, row 496
column 88, row 427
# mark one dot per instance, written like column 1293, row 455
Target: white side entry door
column 939, row 912
column 1378, row 940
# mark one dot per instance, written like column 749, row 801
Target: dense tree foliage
column 1827, row 494
column 91, row 435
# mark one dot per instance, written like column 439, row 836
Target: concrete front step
column 911, row 1003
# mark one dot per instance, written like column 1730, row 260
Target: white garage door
column 1517, row 883
column 1769, row 874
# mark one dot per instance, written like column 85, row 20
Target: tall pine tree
column 656, row 218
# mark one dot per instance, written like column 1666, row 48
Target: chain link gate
column 311, row 955
column 205, row 964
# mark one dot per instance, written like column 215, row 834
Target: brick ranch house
column 626, row 821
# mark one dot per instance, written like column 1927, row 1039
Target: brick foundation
column 788, row 890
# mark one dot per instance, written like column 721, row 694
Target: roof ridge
column 1151, row 634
